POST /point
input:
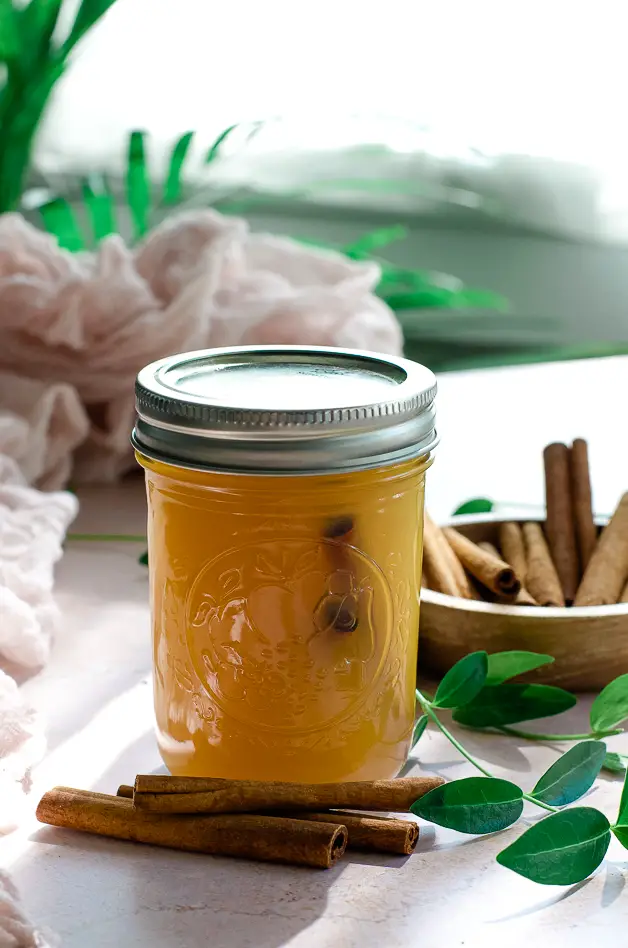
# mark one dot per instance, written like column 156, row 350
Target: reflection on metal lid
column 264, row 381
column 284, row 408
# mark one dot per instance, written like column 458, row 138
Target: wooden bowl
column 590, row 645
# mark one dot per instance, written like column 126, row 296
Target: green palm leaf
column 138, row 184
column 59, row 219
column 9, row 37
column 172, row 187
column 214, row 150
column 89, row 12
column 99, row 205
column 35, row 25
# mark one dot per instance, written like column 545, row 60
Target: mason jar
column 285, row 508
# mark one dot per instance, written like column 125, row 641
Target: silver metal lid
column 284, row 409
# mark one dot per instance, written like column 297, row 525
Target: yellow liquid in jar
column 285, row 620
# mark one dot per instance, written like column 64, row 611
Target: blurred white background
column 519, row 103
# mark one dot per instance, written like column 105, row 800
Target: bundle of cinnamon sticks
column 561, row 563
column 300, row 824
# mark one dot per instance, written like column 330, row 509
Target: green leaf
column 497, row 705
column 463, row 681
column 614, row 763
column 610, row 707
column 505, row 665
column 472, row 805
column 419, row 729
column 59, row 219
column 19, row 121
column 621, row 832
column 36, row 23
column 375, row 240
column 433, row 297
column 393, row 277
column 572, row 774
column 562, row 849
column 623, row 803
column 99, row 204
column 143, row 559
column 89, row 12
column 215, row 149
column 478, row 505
column 9, row 40
column 172, row 187
column 138, row 184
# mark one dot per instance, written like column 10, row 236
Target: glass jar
column 285, row 509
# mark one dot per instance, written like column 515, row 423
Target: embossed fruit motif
column 281, row 638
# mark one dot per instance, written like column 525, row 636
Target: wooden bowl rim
column 540, row 614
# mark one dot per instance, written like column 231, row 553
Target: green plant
column 569, row 844
column 83, row 225
column 405, row 289
column 145, row 201
column 32, row 59
column 477, row 505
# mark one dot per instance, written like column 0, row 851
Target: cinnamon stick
column 512, row 547
column 541, row 577
column 246, row 836
column 166, row 783
column 524, row 598
column 443, row 569
column 491, row 571
column 159, row 794
column 341, row 610
column 486, row 595
column 490, row 548
column 514, row 543
column 605, row 576
column 560, row 523
column 367, row 833
column 466, row 589
column 586, row 531
column 370, row 833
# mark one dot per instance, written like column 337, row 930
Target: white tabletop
column 96, row 694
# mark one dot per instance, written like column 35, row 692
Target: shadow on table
column 543, row 904
column 144, row 895
column 139, row 894
column 490, row 749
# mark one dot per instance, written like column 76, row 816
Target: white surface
column 493, row 426
column 96, row 692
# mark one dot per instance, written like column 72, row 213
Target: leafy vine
column 570, row 842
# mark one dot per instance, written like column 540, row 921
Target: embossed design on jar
column 262, row 640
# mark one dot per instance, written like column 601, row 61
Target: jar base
column 186, row 765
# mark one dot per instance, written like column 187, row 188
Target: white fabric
column 32, row 527
column 15, row 929
column 40, row 425
column 75, row 329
